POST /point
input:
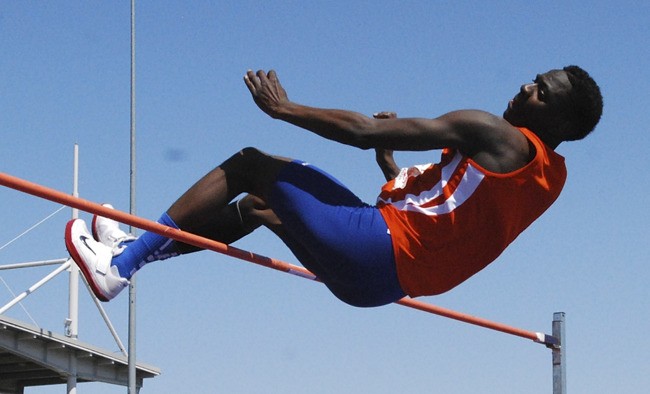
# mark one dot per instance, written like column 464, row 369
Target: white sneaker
column 94, row 260
column 108, row 232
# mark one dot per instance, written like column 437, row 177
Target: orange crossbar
column 205, row 243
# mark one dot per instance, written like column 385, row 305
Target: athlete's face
column 541, row 106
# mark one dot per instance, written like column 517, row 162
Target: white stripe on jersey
column 467, row 185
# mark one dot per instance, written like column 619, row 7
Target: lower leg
column 235, row 221
column 202, row 210
column 202, row 206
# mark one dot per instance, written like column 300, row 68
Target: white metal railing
column 71, row 323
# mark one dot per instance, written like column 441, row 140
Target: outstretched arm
column 348, row 127
column 492, row 141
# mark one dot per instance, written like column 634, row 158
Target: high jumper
column 432, row 227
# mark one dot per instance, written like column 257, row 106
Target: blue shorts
column 342, row 240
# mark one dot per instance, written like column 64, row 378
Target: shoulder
column 483, row 129
column 477, row 121
column 490, row 140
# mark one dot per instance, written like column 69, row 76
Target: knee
column 252, row 170
column 243, row 165
column 252, row 159
column 251, row 153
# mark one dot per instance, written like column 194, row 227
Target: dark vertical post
column 559, row 354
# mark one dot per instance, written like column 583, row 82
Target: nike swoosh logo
column 83, row 239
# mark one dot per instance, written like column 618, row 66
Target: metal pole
column 559, row 354
column 32, row 264
column 72, row 323
column 132, row 288
column 35, row 286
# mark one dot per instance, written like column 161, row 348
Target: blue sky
column 214, row 324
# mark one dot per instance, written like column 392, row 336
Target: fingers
column 249, row 80
column 250, row 202
column 256, row 212
column 273, row 77
column 255, row 80
column 384, row 115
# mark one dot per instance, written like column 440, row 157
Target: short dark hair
column 586, row 100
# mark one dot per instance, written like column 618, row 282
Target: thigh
column 335, row 235
column 322, row 214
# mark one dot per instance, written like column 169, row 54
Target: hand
column 267, row 92
column 384, row 115
column 384, row 155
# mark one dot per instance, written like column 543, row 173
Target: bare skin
column 384, row 157
column 493, row 142
column 204, row 209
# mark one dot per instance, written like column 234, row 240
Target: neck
column 551, row 142
column 550, row 139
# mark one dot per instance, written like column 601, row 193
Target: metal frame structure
column 555, row 341
column 33, row 356
column 134, row 373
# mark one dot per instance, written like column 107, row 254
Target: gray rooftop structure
column 32, row 356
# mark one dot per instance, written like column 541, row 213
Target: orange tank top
column 450, row 220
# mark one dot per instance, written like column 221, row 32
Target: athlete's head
column 586, row 102
column 562, row 105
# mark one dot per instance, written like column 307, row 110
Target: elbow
column 363, row 143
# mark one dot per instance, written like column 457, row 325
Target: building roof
column 32, row 356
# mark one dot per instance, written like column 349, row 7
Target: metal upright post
column 559, row 354
column 72, row 323
column 132, row 288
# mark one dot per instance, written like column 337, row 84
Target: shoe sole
column 93, row 228
column 72, row 250
column 93, row 225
